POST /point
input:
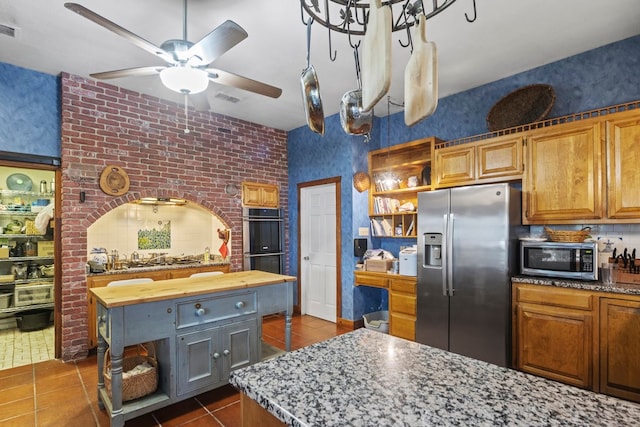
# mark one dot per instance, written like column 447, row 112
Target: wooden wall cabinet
column 260, row 195
column 623, row 172
column 102, row 280
column 404, row 161
column 402, row 300
column 494, row 160
column 563, row 177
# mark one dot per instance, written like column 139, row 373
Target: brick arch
column 132, row 196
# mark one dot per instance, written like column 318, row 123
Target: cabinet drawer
column 199, row 311
column 402, row 327
column 560, row 297
column 404, row 285
column 400, row 303
column 380, row 282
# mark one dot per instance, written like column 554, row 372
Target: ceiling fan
column 188, row 69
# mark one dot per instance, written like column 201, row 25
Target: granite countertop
column 156, row 268
column 366, row 378
column 618, row 288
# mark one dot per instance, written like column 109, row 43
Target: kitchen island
column 200, row 328
column 365, row 378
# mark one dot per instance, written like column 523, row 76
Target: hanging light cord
column 186, row 114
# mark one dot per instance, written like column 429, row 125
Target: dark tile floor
column 56, row 394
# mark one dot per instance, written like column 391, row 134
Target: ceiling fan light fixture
column 185, row 80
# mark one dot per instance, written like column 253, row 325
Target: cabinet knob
column 216, row 355
column 226, row 352
column 200, row 312
column 240, row 304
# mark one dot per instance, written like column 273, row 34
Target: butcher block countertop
column 117, row 296
column 366, row 378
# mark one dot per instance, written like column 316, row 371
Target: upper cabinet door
column 455, row 165
column 623, row 174
column 260, row 195
column 500, row 158
column 563, row 176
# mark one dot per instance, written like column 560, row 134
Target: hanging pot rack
column 350, row 16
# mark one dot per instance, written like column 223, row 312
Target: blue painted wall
column 29, row 112
column 601, row 77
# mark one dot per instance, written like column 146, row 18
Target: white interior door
column 318, row 251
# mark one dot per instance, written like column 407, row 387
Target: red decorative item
column 224, row 236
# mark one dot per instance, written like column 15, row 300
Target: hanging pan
column 354, row 120
column 311, row 91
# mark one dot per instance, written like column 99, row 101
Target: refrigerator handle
column 449, row 255
column 444, row 252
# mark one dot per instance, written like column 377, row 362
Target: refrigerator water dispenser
column 432, row 249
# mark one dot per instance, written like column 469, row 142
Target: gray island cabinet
column 365, row 378
column 201, row 328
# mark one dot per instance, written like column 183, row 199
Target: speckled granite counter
column 155, row 268
column 365, row 378
column 618, row 288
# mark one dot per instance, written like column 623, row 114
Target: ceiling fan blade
column 122, row 32
column 234, row 80
column 129, row 72
column 200, row 101
column 221, row 39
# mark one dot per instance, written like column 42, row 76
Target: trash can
column 377, row 321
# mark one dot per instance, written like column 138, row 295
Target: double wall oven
column 263, row 239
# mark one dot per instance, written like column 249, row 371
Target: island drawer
column 207, row 310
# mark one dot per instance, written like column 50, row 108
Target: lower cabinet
column 101, row 280
column 620, row 348
column 402, row 308
column 402, row 300
column 555, row 343
column 205, row 358
column 584, row 338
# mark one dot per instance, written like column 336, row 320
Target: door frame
column 338, row 183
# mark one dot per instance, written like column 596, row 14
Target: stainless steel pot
column 311, row 91
column 354, row 120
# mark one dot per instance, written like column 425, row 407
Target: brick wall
column 106, row 125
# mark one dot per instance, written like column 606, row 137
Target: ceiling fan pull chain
column 186, row 114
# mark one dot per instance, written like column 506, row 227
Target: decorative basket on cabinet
column 568, row 236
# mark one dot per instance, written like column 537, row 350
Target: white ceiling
column 509, row 36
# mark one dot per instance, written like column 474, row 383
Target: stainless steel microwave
column 556, row 259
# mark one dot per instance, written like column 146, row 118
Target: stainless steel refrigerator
column 467, row 252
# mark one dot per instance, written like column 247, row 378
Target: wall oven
column 263, row 239
column 556, row 259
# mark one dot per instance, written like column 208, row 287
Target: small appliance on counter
column 409, row 261
column 570, row 260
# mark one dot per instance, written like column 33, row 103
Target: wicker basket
column 525, row 105
column 568, row 236
column 361, row 181
column 136, row 385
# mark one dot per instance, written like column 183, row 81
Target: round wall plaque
column 114, row 180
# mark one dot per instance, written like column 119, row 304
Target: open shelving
column 393, row 202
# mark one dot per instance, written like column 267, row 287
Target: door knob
column 306, row 258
